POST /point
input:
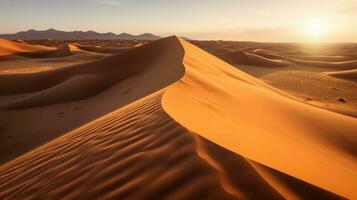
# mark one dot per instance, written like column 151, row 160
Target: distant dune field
column 319, row 74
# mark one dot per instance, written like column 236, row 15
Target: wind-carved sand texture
column 66, row 98
column 185, row 125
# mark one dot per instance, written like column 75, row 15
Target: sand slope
column 318, row 74
column 317, row 62
column 116, row 158
column 248, row 117
column 101, row 49
column 8, row 48
column 170, row 143
column 67, row 98
column 245, row 58
column 345, row 74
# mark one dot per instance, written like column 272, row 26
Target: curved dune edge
column 239, row 113
column 27, row 70
column 139, row 151
column 112, row 159
column 115, row 158
column 67, row 98
column 100, row 49
column 345, row 74
column 246, row 58
column 347, row 64
column 8, row 48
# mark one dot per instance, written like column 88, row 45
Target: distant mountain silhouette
column 75, row 35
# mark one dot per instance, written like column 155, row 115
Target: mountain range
column 76, row 35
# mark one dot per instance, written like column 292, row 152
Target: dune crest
column 205, row 130
column 68, row 97
column 245, row 58
column 9, row 48
column 345, row 74
column 245, row 116
column 111, row 158
column 317, row 62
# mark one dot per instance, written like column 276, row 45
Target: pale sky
column 254, row 20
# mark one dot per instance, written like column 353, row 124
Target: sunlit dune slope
column 246, row 116
column 206, row 131
column 100, row 49
column 139, row 152
column 9, row 48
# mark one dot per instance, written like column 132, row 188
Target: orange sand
column 206, row 130
column 9, row 48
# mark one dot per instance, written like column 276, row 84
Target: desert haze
column 204, row 100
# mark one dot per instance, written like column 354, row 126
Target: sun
column 316, row 27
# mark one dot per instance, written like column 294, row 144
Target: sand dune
column 309, row 77
column 311, row 85
column 206, row 130
column 25, row 70
column 113, row 158
column 340, row 65
column 67, row 98
column 345, row 74
column 226, row 104
column 317, row 62
column 325, row 58
column 337, row 56
column 9, row 48
column 100, row 49
column 115, row 69
column 245, row 58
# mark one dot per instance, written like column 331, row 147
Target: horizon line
column 186, row 37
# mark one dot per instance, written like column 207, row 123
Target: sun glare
column 316, row 28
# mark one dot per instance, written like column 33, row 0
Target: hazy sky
column 257, row 20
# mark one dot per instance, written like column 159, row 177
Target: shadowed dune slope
column 139, row 152
column 245, row 58
column 85, row 80
column 340, row 65
column 70, row 99
column 345, row 74
column 325, row 58
column 345, row 64
column 252, row 141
